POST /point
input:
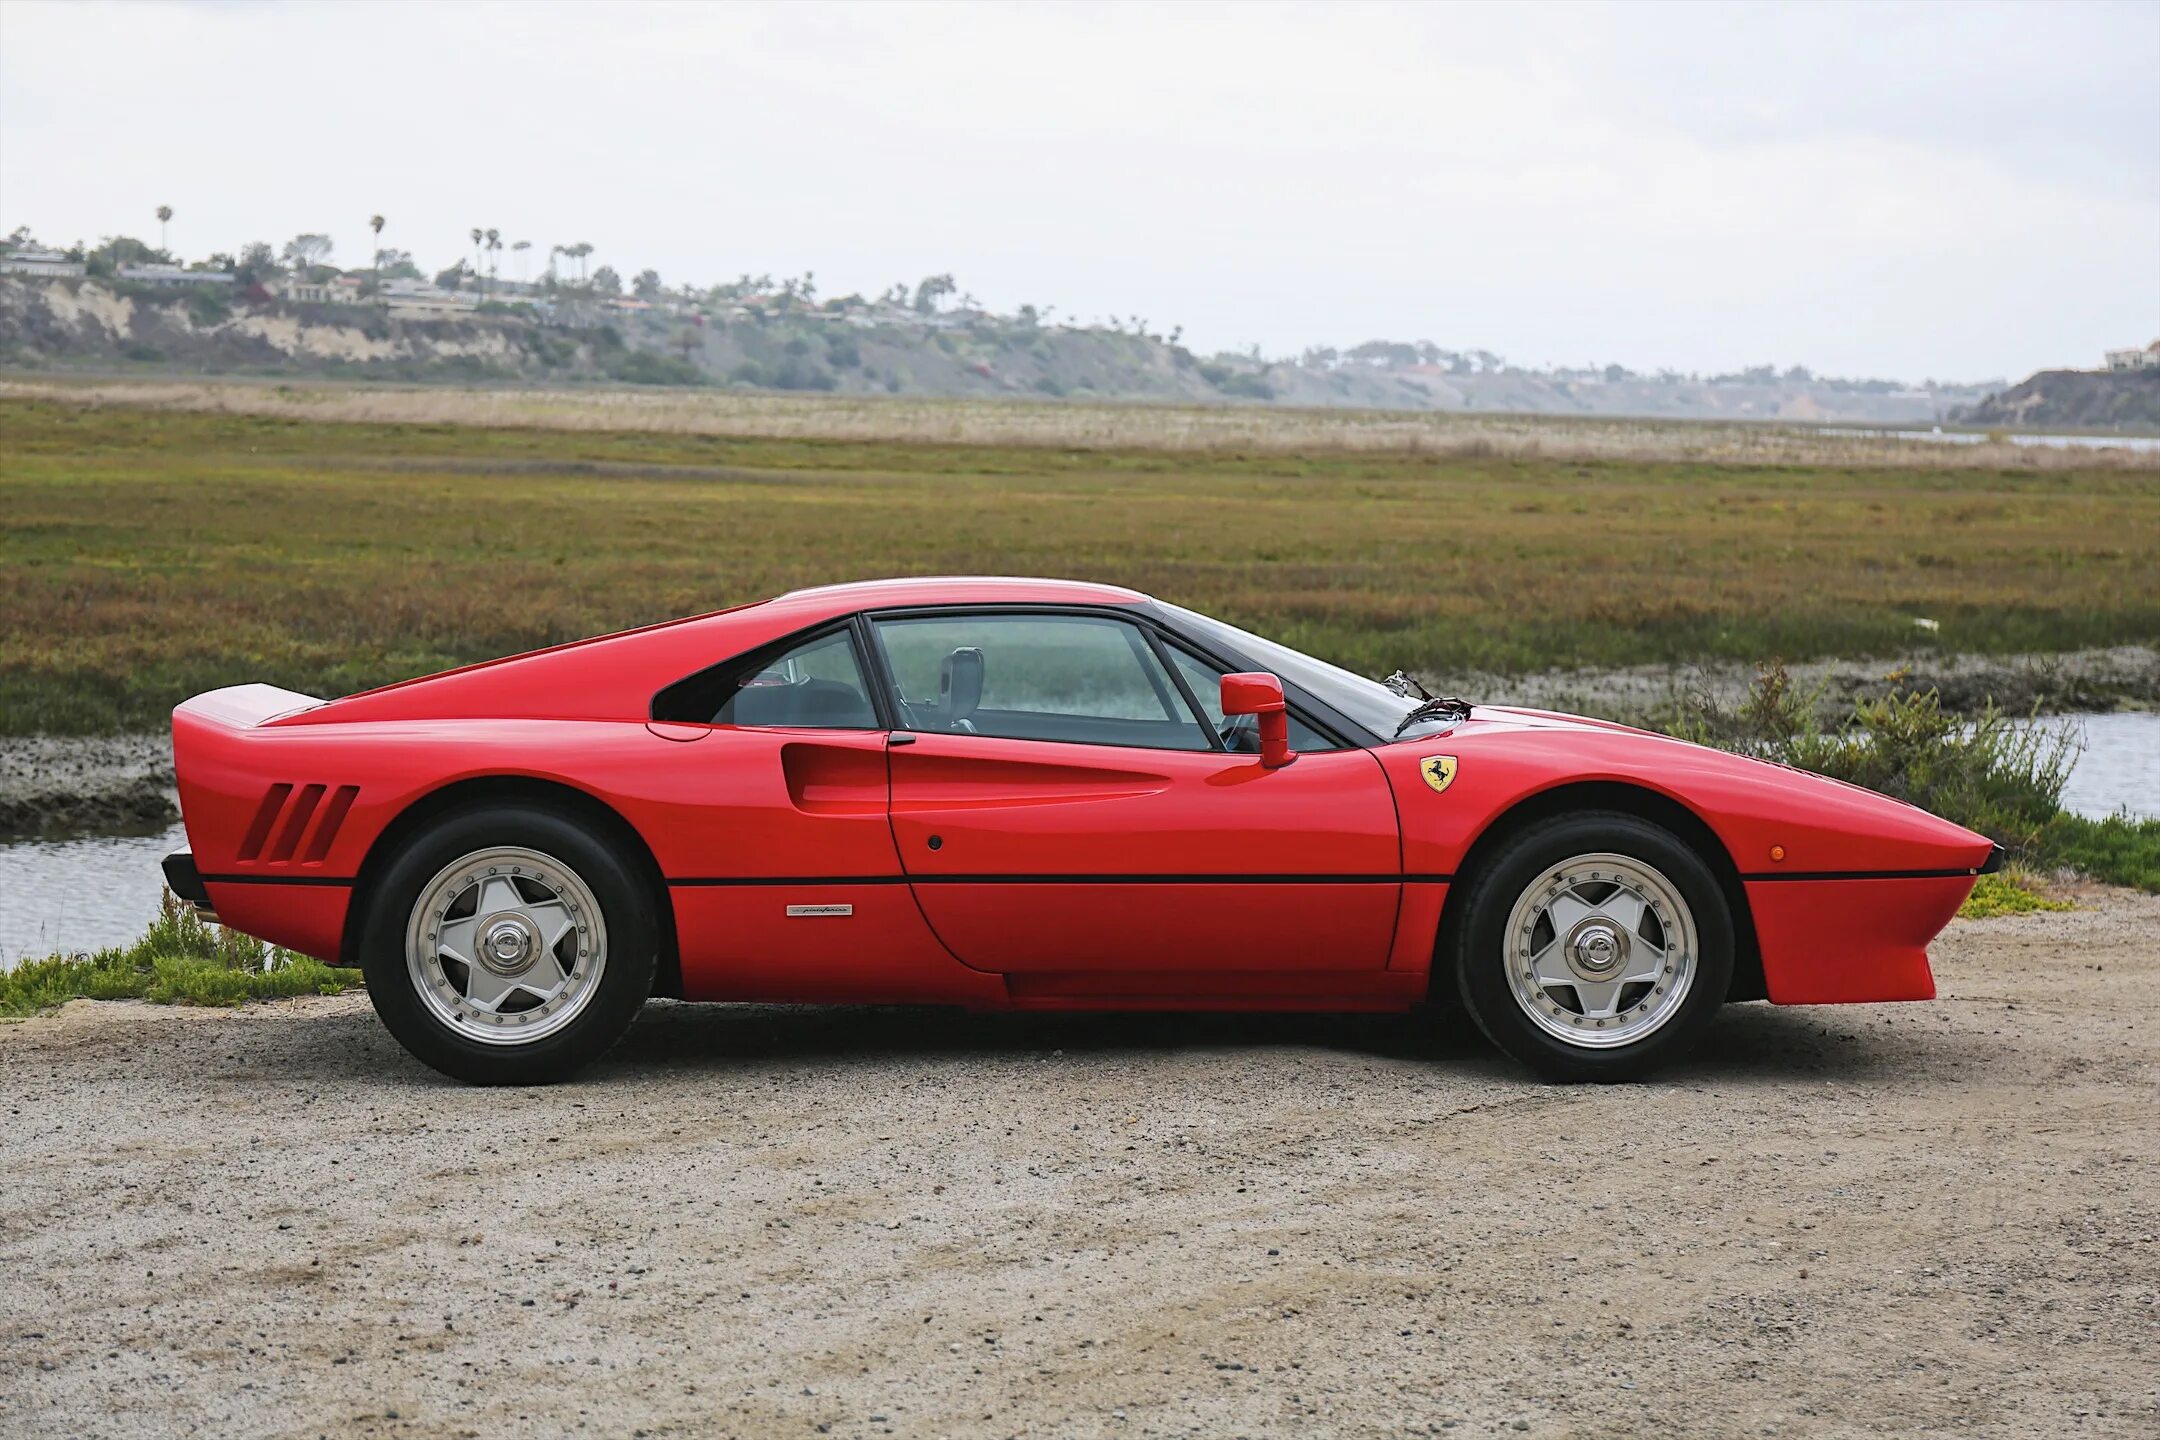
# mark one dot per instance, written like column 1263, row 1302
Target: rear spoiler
column 243, row 707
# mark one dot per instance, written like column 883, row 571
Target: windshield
column 1367, row 702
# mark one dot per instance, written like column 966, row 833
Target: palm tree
column 477, row 235
column 518, row 248
column 375, row 223
column 494, row 245
column 164, row 213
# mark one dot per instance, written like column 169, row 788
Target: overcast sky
column 1957, row 191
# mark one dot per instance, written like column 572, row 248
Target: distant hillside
column 2127, row 400
column 105, row 325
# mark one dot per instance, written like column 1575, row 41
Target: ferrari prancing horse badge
column 1438, row 770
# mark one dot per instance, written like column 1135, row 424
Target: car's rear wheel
column 1593, row 946
column 507, row 945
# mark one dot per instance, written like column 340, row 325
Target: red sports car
column 1029, row 794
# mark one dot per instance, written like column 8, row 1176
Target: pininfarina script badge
column 1438, row 770
column 796, row 912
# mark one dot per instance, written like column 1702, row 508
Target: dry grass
column 146, row 554
column 1178, row 429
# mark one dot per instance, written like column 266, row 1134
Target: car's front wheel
column 1593, row 946
column 508, row 946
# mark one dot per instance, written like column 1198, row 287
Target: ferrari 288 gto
column 1029, row 795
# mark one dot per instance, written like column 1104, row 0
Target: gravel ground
column 1889, row 1220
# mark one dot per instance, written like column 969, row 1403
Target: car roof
column 958, row 590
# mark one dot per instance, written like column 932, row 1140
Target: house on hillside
column 2145, row 359
column 418, row 300
column 171, row 275
column 50, row 263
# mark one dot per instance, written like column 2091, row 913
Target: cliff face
column 63, row 323
column 95, row 325
column 2125, row 400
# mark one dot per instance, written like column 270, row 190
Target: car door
column 1059, row 808
column 780, row 861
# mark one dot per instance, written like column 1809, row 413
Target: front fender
column 1844, row 887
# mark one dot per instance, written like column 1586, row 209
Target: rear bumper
column 185, row 881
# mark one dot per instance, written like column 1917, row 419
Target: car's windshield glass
column 1368, row 702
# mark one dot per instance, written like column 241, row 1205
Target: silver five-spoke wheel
column 1601, row 950
column 506, row 945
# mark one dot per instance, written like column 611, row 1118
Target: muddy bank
column 68, row 784
column 1861, row 1221
column 2103, row 679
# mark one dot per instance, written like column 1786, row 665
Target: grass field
column 1093, row 425
column 147, row 553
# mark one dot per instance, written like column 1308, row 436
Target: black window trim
column 1313, row 713
column 1163, row 678
column 761, row 655
column 1162, row 644
column 1168, row 641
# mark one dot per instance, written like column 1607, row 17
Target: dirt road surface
column 1893, row 1220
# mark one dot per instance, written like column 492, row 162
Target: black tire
column 1480, row 953
column 627, row 908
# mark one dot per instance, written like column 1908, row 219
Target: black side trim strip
column 277, row 879
column 1866, row 874
column 708, row 880
column 1061, row 879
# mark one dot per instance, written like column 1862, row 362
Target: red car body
column 997, row 873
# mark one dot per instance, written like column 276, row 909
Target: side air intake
column 295, row 824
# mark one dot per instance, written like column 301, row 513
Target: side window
column 1242, row 735
column 1086, row 679
column 817, row 685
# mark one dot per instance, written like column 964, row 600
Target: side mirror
column 1260, row 694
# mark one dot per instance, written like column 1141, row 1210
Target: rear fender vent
column 296, row 823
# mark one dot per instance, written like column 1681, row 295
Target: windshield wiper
column 1407, row 687
column 1442, row 707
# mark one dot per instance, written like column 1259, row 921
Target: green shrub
column 207, row 307
column 2119, row 850
column 2007, row 894
column 2000, row 775
column 796, row 373
column 645, row 367
column 182, row 959
column 1995, row 774
column 1249, row 387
